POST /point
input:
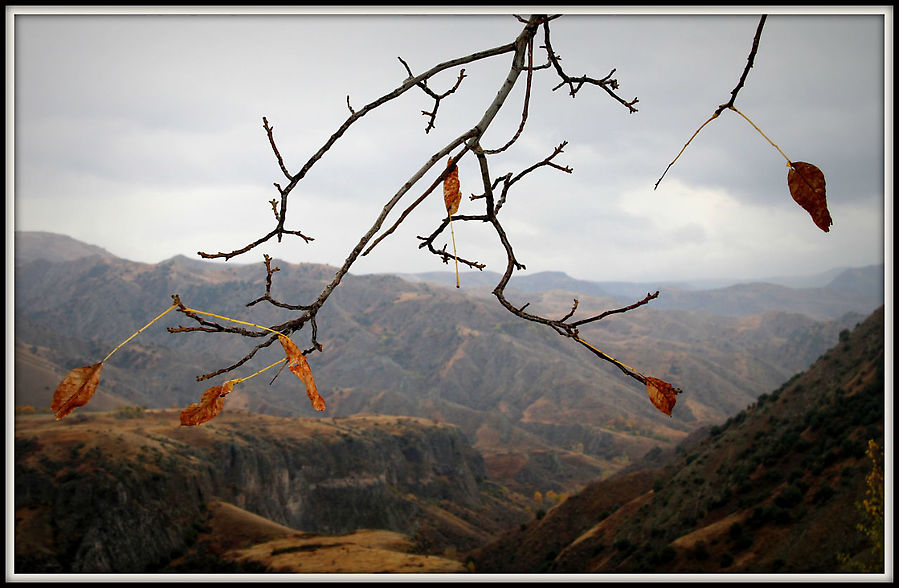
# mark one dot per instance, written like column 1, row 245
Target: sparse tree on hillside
column 532, row 54
column 871, row 508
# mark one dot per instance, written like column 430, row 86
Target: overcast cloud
column 143, row 134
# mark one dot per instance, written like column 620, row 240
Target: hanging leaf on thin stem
column 661, row 393
column 213, row 400
column 80, row 384
column 210, row 405
column 452, row 196
column 76, row 389
column 806, row 183
column 296, row 362
column 807, row 187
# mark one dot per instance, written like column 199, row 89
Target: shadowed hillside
column 772, row 489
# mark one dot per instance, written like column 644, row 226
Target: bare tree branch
column 608, row 83
column 603, row 315
column 733, row 95
column 417, row 201
column 409, row 83
column 437, row 97
column 269, row 130
column 509, row 181
column 269, row 270
column 470, row 140
column 527, row 99
column 750, row 61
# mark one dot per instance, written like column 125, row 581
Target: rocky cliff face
column 359, row 478
column 105, row 494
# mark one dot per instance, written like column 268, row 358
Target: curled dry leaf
column 806, row 184
column 211, row 403
column 76, row 389
column 452, row 196
column 296, row 362
column 662, row 394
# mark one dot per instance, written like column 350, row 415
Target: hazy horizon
column 784, row 279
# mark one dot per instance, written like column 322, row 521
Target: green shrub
column 130, row 412
column 789, row 497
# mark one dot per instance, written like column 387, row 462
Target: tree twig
column 733, row 95
column 437, row 97
column 750, row 61
column 608, row 83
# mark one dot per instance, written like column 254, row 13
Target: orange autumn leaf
column 211, row 403
column 806, row 184
column 76, row 389
column 662, row 394
column 452, row 196
column 296, row 362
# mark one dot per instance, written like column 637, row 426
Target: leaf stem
column 684, row 148
column 455, row 257
column 239, row 380
column 631, row 371
column 139, row 331
column 790, row 163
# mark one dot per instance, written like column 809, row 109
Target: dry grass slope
column 249, row 541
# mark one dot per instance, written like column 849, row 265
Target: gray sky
column 143, row 134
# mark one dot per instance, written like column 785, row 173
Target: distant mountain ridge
column 836, row 292
column 865, row 280
column 548, row 280
column 31, row 245
column 543, row 413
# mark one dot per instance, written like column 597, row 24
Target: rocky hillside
column 132, row 491
column 545, row 414
column 772, row 489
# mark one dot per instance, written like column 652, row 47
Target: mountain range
column 820, row 296
column 776, row 488
column 544, row 414
column 457, row 438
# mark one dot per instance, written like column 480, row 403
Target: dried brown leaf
column 210, row 405
column 662, row 394
column 296, row 362
column 76, row 389
column 807, row 187
column 452, row 196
